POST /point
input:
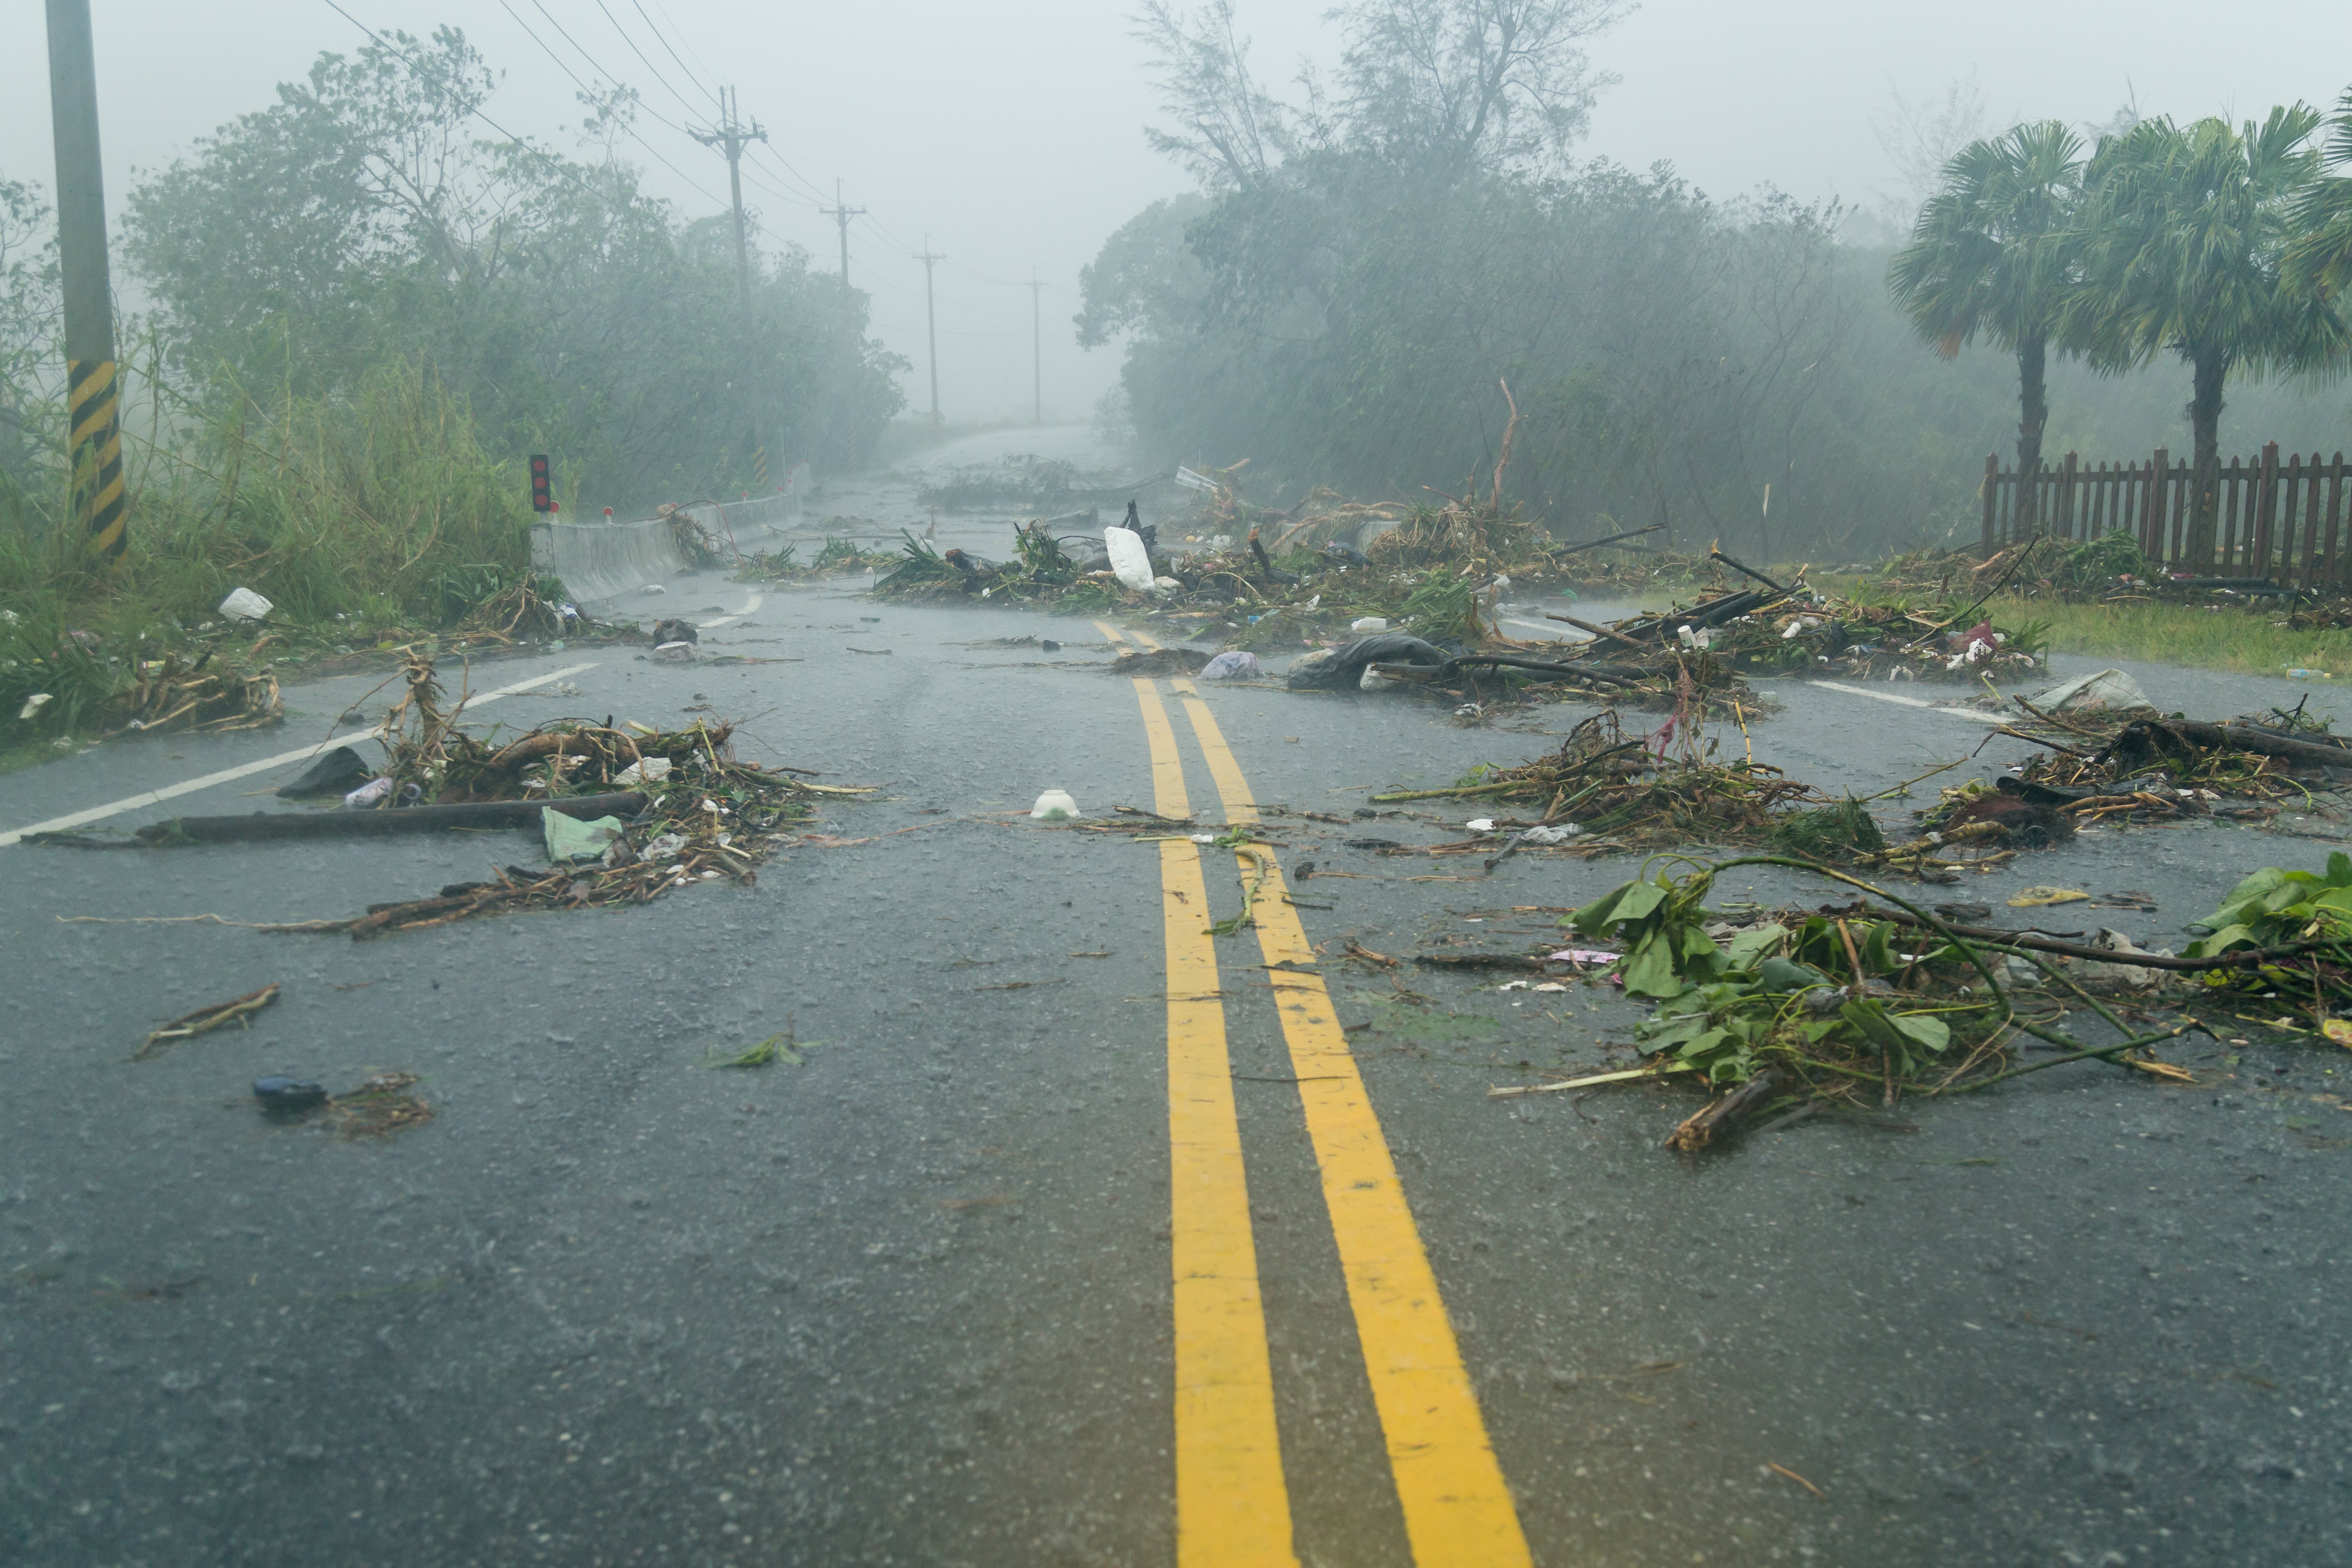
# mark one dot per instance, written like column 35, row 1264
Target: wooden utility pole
column 93, row 386
column 931, row 320
column 1037, row 346
column 841, row 214
column 734, row 138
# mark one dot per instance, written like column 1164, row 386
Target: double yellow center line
column 1232, row 1505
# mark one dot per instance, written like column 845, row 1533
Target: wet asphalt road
column 909, row 1302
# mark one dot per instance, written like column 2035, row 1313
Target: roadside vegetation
column 1357, row 265
column 363, row 319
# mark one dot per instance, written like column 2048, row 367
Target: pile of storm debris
column 2118, row 762
column 1850, row 1008
column 1604, row 792
column 627, row 813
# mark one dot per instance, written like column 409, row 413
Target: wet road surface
column 1079, row 1236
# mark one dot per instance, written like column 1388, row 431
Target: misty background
column 1739, row 176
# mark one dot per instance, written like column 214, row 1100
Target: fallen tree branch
column 1995, row 934
column 346, row 824
column 1699, row 1130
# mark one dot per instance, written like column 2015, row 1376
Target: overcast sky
column 1011, row 134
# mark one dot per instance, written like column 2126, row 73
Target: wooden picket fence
column 2285, row 522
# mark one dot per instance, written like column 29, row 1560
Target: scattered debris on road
column 381, row 1105
column 1867, row 1002
column 238, row 1011
column 1626, row 792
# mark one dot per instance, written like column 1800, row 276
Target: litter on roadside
column 243, row 604
column 281, row 1096
column 337, row 772
column 1053, row 806
column 570, row 838
column 1236, row 664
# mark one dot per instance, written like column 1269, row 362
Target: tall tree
column 1456, row 86
column 2320, row 257
column 1993, row 253
column 2185, row 235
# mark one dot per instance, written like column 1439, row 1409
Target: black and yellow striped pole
column 93, row 384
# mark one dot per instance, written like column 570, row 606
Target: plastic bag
column 1233, row 666
column 1129, row 562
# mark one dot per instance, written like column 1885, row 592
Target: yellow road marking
column 1232, row 1506
column 1457, row 1509
column 1111, row 631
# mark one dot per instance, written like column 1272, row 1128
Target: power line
column 860, row 264
column 665, row 44
column 983, row 277
column 884, row 234
column 593, row 64
column 944, row 331
column 791, row 172
column 475, row 111
column 673, row 53
column 690, row 107
column 682, row 129
column 567, row 70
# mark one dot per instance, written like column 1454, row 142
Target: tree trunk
column 2033, row 416
column 2211, row 369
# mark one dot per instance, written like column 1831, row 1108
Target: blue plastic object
column 289, row 1094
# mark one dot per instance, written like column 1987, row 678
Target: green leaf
column 2339, row 870
column 1782, row 976
column 1924, row 1029
column 1746, row 948
column 1697, row 1047
column 1649, row 969
column 1660, row 1034
column 1631, row 902
column 2220, row 942
column 1868, row 1015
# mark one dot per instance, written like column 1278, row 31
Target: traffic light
column 540, row 499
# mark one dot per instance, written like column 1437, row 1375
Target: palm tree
column 2185, row 232
column 2320, row 257
column 1993, row 253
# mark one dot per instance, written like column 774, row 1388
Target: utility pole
column 1038, row 345
column 731, row 135
column 931, row 319
column 841, row 214
column 93, row 390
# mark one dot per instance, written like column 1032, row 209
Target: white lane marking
column 749, row 605
column 170, row 791
column 1966, row 715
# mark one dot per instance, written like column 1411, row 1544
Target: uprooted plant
column 1876, row 1003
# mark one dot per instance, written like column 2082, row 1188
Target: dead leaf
column 2035, row 897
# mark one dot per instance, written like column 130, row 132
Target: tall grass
column 382, row 508
column 2232, row 639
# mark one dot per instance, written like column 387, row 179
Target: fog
column 1012, row 136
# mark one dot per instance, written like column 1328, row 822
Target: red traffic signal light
column 542, row 499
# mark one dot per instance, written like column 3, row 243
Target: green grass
column 2237, row 641
column 375, row 516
